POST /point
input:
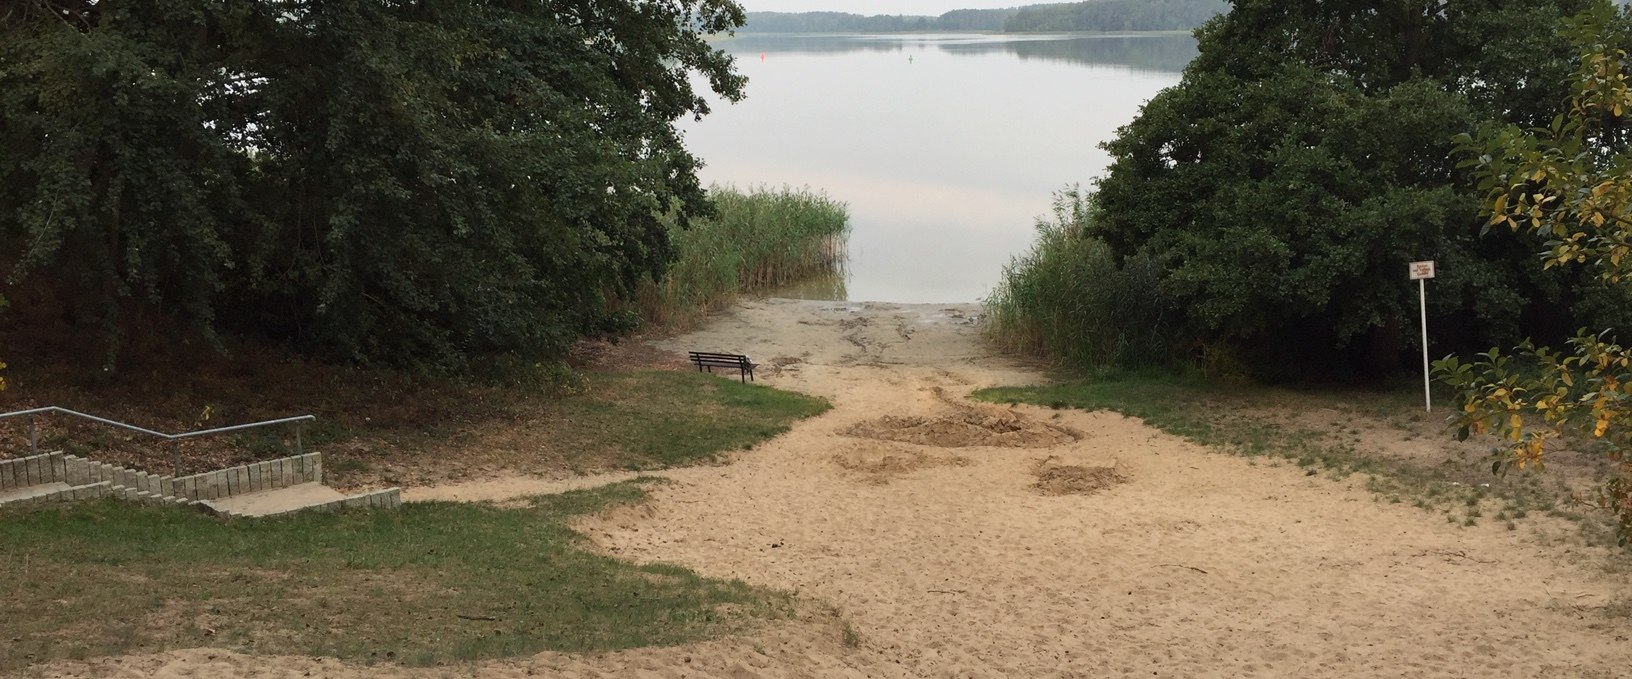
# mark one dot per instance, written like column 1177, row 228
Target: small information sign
column 1421, row 272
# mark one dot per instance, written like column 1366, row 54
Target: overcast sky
column 869, row 7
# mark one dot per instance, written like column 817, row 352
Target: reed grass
column 1070, row 300
column 760, row 239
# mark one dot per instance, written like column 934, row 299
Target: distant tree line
column 1096, row 15
column 841, row 22
column 1116, row 15
column 430, row 184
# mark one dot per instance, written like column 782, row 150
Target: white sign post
column 1421, row 272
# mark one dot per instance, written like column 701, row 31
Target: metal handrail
column 175, row 449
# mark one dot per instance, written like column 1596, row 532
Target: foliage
column 755, row 241
column 1070, row 298
column 1302, row 162
column 1096, row 15
column 843, row 22
column 1570, row 183
column 477, row 581
column 1116, row 15
column 423, row 184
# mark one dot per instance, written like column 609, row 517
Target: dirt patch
column 880, row 464
column 966, row 426
column 781, row 364
column 633, row 353
column 1054, row 478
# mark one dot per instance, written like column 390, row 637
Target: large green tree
column 1302, row 162
column 418, row 182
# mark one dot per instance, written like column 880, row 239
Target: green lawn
column 661, row 418
column 432, row 582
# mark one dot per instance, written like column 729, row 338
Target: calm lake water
column 946, row 147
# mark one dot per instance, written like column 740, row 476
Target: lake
column 946, row 147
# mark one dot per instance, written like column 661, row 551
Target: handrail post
column 175, row 458
column 300, row 448
column 33, row 437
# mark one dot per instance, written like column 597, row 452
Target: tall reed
column 761, row 239
column 1069, row 300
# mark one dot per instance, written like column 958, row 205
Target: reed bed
column 760, row 240
column 1070, row 300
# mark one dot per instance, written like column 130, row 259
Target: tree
column 1570, row 184
column 1116, row 15
column 419, row 183
column 1302, row 161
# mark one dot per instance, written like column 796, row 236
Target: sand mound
column 966, row 426
column 963, row 429
column 1066, row 479
column 880, row 464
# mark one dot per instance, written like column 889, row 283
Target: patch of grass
column 849, row 636
column 652, row 419
column 1188, row 408
column 433, row 582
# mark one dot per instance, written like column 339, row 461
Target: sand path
column 915, row 515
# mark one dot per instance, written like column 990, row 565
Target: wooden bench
column 710, row 361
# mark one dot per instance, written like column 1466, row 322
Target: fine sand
column 936, row 537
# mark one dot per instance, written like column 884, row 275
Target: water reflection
column 832, row 287
column 1153, row 52
column 945, row 147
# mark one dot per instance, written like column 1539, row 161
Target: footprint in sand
column 878, row 464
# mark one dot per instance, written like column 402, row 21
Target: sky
column 869, row 7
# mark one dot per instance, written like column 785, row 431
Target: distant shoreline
column 1109, row 34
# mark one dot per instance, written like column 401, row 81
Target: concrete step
column 55, row 491
column 275, row 501
column 268, row 488
column 30, row 492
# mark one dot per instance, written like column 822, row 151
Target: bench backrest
column 728, row 359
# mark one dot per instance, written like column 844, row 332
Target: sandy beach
column 932, row 536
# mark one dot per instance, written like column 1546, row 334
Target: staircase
column 271, row 488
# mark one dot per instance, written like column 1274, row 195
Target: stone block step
column 276, row 501
column 30, row 492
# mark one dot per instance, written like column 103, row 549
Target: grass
column 761, row 239
column 1232, row 418
column 431, row 583
column 371, row 424
column 653, row 419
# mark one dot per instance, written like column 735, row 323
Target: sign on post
column 1421, row 272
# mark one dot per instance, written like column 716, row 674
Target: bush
column 1069, row 298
